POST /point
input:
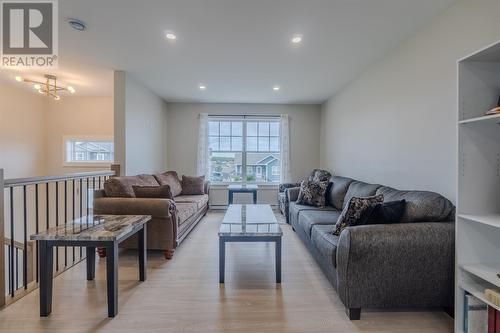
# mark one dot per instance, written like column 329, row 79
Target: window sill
column 270, row 186
column 86, row 165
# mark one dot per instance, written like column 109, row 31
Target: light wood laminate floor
column 183, row 295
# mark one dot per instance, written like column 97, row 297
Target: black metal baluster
column 81, row 213
column 12, row 240
column 99, row 182
column 73, row 213
column 57, row 223
column 36, row 228
column 65, row 219
column 87, row 194
column 25, row 251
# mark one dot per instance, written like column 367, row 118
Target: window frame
column 86, row 164
column 245, row 120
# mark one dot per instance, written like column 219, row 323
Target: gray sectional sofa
column 405, row 265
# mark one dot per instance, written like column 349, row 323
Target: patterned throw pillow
column 352, row 213
column 312, row 193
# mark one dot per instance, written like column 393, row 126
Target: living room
column 268, row 166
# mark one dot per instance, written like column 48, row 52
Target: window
column 242, row 149
column 88, row 151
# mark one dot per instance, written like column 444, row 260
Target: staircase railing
column 31, row 205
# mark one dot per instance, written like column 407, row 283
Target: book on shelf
column 475, row 316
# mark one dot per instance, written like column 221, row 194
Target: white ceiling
column 238, row 48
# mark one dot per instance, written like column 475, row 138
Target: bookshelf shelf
column 477, row 291
column 487, row 272
column 493, row 119
column 488, row 219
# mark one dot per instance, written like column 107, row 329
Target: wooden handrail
column 45, row 179
column 18, row 245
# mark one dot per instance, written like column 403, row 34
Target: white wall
column 140, row 127
column 22, row 134
column 75, row 116
column 182, row 137
column 182, row 134
column 397, row 123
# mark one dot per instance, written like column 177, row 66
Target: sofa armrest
column 291, row 194
column 159, row 208
column 284, row 186
column 207, row 187
column 396, row 264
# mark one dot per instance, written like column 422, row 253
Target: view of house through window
column 245, row 151
column 89, row 151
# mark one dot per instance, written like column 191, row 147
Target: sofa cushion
column 185, row 210
column 325, row 242
column 335, row 196
column 312, row 193
column 161, row 191
column 170, row 178
column 421, row 206
column 309, row 218
column 360, row 190
column 352, row 213
column 295, row 209
column 193, row 185
column 122, row 186
column 200, row 200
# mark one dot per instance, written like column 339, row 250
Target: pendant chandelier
column 49, row 87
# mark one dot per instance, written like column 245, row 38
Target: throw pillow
column 122, row 186
column 384, row 213
column 170, row 178
column 162, row 192
column 193, row 185
column 353, row 211
column 312, row 193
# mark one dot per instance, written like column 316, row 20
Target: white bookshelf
column 478, row 204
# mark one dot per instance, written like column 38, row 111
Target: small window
column 259, row 171
column 88, row 151
column 275, row 170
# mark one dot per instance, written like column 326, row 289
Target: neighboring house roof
column 257, row 158
column 92, row 147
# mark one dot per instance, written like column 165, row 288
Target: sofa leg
column 102, row 252
column 353, row 313
column 168, row 254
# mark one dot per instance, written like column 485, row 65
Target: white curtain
column 203, row 162
column 285, row 174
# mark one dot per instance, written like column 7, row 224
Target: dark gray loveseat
column 404, row 265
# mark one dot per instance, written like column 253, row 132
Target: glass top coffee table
column 249, row 223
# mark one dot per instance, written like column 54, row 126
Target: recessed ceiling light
column 171, row 36
column 296, row 39
column 37, row 86
column 276, row 88
column 18, row 78
column 203, row 87
column 77, row 24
